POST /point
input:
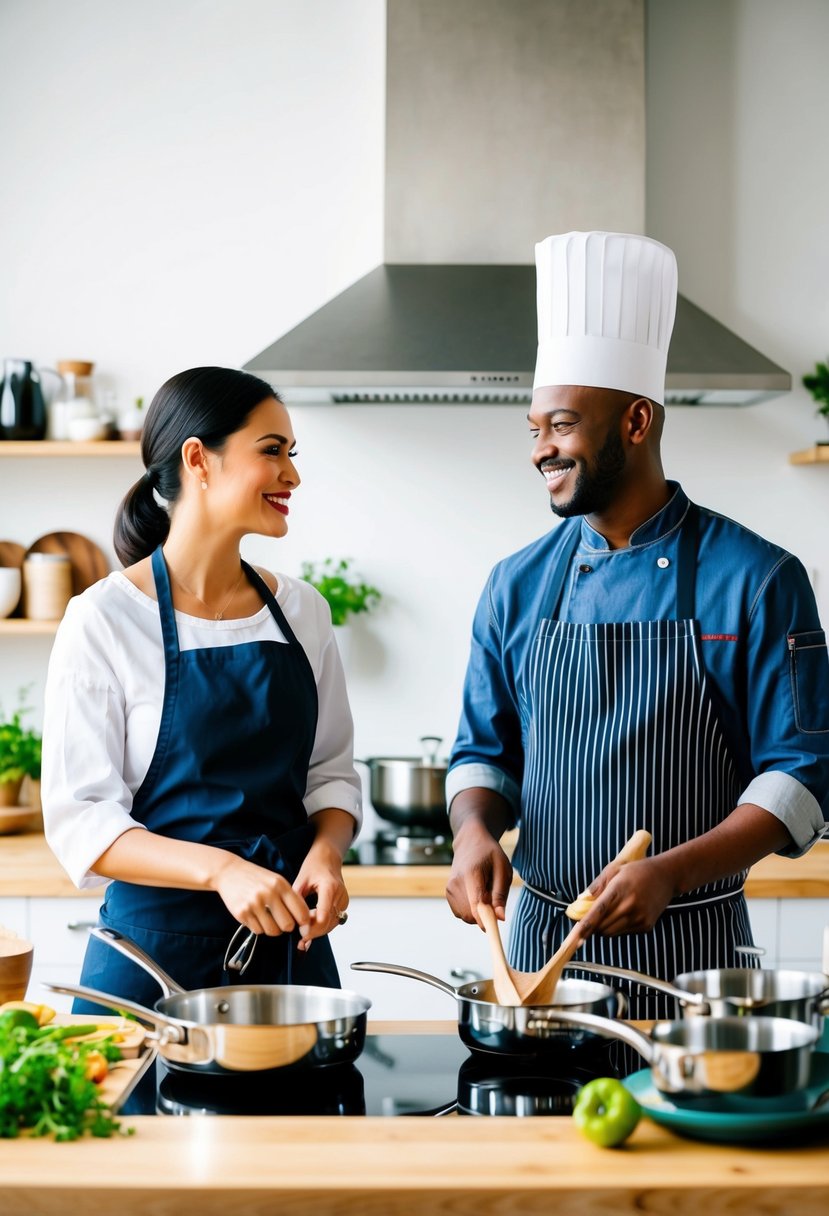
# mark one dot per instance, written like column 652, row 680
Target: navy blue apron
column 622, row 734
column 230, row 769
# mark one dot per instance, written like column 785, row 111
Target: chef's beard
column 596, row 487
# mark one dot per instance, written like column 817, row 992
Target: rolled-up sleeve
column 788, row 706
column 332, row 778
column 488, row 752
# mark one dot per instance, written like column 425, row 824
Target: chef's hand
column 629, row 898
column 322, row 873
column 481, row 872
column 259, row 899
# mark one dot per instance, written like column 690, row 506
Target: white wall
column 190, row 180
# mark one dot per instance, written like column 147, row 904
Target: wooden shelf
column 819, row 454
column 17, row 625
column 55, row 447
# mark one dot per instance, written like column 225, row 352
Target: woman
column 197, row 735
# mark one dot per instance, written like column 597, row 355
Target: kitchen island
column 313, row 1166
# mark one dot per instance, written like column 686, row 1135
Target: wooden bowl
column 15, row 968
column 20, row 819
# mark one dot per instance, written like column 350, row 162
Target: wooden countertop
column 28, row 867
column 402, row 1167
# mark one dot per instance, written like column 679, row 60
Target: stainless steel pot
column 240, row 1028
column 484, row 1025
column 713, row 1061
column 409, row 791
column 737, row 991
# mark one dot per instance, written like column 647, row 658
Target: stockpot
column 484, row 1025
column 240, row 1028
column 409, row 791
column 717, row 1061
column 737, row 991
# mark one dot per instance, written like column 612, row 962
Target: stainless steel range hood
column 427, row 334
column 504, row 122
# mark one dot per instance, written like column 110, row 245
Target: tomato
column 606, row 1112
column 96, row 1067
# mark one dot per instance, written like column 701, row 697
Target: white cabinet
column 420, row 933
column 58, row 930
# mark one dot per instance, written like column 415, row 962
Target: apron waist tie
column 676, row 906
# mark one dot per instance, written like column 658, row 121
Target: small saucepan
column 736, row 992
column 241, row 1028
column 709, row 1061
column 513, row 1030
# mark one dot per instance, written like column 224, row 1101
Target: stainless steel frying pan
column 736, row 992
column 484, row 1025
column 240, row 1028
column 712, row 1060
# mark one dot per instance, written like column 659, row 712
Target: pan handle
column 607, row 1028
column 129, row 949
column 410, row 973
column 167, row 1031
column 649, row 981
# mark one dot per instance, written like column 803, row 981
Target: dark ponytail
column 211, row 403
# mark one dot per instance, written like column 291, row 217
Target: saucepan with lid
column 517, row 1030
column 736, row 991
column 241, row 1028
column 717, row 1061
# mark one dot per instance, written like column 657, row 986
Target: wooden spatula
column 538, row 987
column 503, row 976
column 635, row 849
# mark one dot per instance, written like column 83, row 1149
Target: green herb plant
column 44, row 1086
column 341, row 587
column 818, row 386
column 20, row 748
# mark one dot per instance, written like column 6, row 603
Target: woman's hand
column 322, row 873
column 259, row 899
column 630, row 897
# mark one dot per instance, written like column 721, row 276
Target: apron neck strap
column 169, row 632
column 686, row 575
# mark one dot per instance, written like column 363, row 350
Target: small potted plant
column 345, row 592
column 20, row 751
column 818, row 386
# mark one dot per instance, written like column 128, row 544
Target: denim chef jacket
column 763, row 651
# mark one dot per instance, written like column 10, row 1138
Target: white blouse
column 104, row 696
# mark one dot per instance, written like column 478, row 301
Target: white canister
column 10, row 583
column 47, row 586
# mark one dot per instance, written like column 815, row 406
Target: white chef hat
column 606, row 306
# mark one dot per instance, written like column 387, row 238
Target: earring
column 204, row 485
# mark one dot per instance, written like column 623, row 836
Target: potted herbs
column 20, row 751
column 818, row 385
column 346, row 593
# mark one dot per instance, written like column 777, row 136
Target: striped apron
column 621, row 734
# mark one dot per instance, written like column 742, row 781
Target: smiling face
column 251, row 480
column 578, row 447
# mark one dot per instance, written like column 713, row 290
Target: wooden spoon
column 538, row 987
column 635, row 850
column 503, row 976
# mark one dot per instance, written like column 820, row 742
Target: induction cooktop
column 427, row 1075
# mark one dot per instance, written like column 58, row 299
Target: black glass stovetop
column 428, row 1074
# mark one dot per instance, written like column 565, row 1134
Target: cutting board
column 137, row 1054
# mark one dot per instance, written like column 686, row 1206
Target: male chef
column 646, row 664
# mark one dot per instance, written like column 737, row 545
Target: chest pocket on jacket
column 809, row 674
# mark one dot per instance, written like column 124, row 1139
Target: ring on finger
column 342, row 917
